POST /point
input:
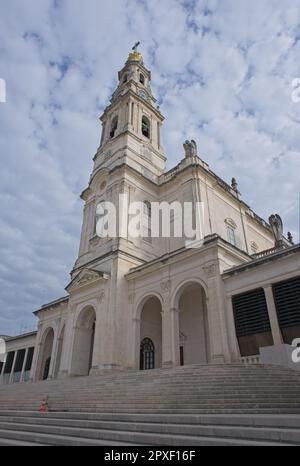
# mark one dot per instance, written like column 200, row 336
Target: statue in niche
column 190, row 148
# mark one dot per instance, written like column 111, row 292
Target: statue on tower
column 277, row 229
column 190, row 148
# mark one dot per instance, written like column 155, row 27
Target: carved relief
column 85, row 277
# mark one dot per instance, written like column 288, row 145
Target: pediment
column 86, row 277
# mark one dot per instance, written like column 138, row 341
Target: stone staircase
column 196, row 405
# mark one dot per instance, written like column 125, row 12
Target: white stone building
column 153, row 302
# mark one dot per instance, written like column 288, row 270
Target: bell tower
column 129, row 156
column 131, row 123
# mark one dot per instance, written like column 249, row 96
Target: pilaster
column 276, row 333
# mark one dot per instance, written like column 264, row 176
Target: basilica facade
column 150, row 302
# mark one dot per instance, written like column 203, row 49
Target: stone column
column 136, row 340
column 175, row 350
column 166, row 338
column 132, row 110
column 90, row 223
column 102, row 134
column 214, row 328
column 233, row 343
column 82, row 245
column 24, row 364
column 170, row 337
column 35, row 366
column 53, row 355
column 151, row 130
column 34, row 371
column 137, row 124
column 2, row 372
column 216, row 310
column 13, row 367
column 67, row 349
column 125, row 116
column 276, row 333
column 98, row 349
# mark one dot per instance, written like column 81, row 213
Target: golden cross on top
column 134, row 48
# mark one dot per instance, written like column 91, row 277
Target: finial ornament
column 190, row 148
column 134, row 48
column 135, row 55
column 277, row 229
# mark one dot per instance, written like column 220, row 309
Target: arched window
column 146, row 126
column 147, row 360
column 146, row 220
column 231, row 227
column 113, row 126
column 125, row 78
column 142, row 79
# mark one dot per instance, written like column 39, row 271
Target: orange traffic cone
column 43, row 406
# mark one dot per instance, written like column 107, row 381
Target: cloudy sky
column 222, row 72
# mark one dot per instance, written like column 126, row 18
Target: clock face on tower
column 143, row 95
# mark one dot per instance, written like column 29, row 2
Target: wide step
column 190, row 405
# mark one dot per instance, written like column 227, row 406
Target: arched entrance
column 59, row 351
column 193, row 325
column 46, row 353
column 83, row 346
column 150, row 341
column 147, row 354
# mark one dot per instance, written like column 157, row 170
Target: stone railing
column 4, row 379
column 265, row 253
column 250, row 359
column 16, row 377
column 26, row 376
